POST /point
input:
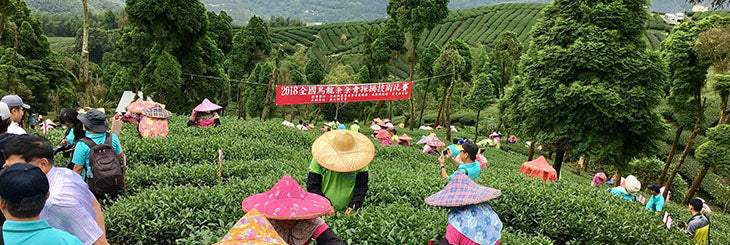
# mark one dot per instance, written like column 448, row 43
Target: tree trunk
column 550, row 155
column 448, row 104
column 423, row 103
column 617, row 180
column 84, row 75
column 580, row 165
column 672, row 152
column 684, row 153
column 379, row 110
column 476, row 127
column 2, row 23
column 306, row 112
column 441, row 108
column 414, row 40
column 695, row 184
column 272, row 82
column 501, row 85
column 228, row 104
column 390, row 108
column 316, row 116
column 559, row 155
column 531, row 153
column 723, row 108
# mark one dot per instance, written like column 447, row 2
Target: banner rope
column 264, row 84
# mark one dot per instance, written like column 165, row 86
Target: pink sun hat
column 435, row 142
column 462, row 191
column 206, row 106
column 288, row 201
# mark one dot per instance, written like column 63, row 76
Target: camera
column 445, row 152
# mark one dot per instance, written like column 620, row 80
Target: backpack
column 108, row 177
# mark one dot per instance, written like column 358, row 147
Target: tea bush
column 173, row 192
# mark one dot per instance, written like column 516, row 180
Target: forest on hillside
column 325, row 11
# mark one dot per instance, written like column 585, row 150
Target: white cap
column 4, row 111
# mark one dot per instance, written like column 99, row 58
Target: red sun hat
column 382, row 134
column 288, row 201
column 462, row 191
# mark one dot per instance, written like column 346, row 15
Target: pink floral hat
column 462, row 191
column 435, row 142
column 206, row 106
column 288, row 201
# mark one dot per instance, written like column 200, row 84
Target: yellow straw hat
column 343, row 151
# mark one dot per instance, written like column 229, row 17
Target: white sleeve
column 74, row 220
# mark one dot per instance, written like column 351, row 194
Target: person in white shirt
column 17, row 110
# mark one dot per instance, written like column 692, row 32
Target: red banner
column 316, row 94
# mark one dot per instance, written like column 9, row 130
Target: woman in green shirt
column 338, row 170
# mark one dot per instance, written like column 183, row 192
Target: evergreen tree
column 588, row 72
column 480, row 97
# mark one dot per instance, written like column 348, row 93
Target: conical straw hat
column 343, row 151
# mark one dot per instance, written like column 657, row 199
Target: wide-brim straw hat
column 377, row 120
column 156, row 111
column 405, row 137
column 632, row 184
column 287, row 200
column 462, row 191
column 343, row 151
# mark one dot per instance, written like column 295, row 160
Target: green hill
column 476, row 26
column 74, row 7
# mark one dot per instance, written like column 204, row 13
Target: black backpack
column 108, row 176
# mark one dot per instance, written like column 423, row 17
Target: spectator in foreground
column 472, row 220
column 339, row 168
column 23, row 193
column 5, row 137
column 698, row 227
column 96, row 125
column 465, row 163
column 656, row 202
column 294, row 213
column 70, row 206
column 17, row 110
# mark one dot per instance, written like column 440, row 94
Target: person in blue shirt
column 465, row 163
column 656, row 202
column 23, row 194
column 74, row 132
column 96, row 126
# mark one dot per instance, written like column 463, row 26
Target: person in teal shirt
column 628, row 190
column 465, row 162
column 96, row 126
column 23, row 194
column 656, row 202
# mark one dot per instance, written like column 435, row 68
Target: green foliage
column 716, row 151
column 506, row 53
column 465, row 52
column 173, row 193
column 647, row 168
column 588, row 84
column 429, row 56
column 416, row 16
column 219, row 26
column 278, row 21
column 314, row 71
column 481, row 94
column 687, row 69
column 255, row 94
column 162, row 78
column 449, row 62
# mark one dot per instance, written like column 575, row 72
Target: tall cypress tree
column 588, row 84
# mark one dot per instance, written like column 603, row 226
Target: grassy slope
column 62, row 44
column 476, row 26
column 173, row 192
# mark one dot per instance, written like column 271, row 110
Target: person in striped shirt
column 70, row 206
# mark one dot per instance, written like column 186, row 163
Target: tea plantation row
column 173, row 193
column 475, row 26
